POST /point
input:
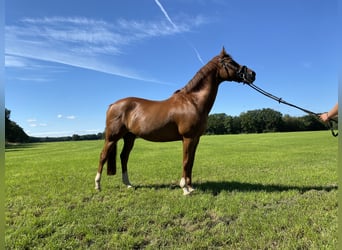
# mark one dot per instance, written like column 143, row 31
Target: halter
column 240, row 74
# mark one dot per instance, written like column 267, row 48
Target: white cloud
column 15, row 62
column 64, row 133
column 71, row 40
column 33, row 79
column 31, row 70
column 68, row 117
column 51, row 133
column 32, row 122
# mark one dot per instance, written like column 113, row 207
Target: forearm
column 333, row 112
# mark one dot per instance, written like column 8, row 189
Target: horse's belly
column 157, row 138
column 168, row 132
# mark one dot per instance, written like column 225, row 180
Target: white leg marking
column 186, row 189
column 125, row 180
column 191, row 189
column 97, row 181
column 182, row 183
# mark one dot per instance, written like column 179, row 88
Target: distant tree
column 236, row 125
column 272, row 120
column 291, row 124
column 261, row 120
column 13, row 132
column 100, row 136
column 216, row 124
column 249, row 122
column 228, row 124
column 75, row 137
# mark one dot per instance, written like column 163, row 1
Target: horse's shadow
column 216, row 187
column 231, row 186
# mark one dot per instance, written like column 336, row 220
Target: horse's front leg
column 189, row 150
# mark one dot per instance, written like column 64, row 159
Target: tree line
column 261, row 121
column 15, row 134
column 253, row 121
column 74, row 137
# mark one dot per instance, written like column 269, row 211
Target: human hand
column 324, row 117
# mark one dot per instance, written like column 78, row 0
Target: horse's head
column 232, row 71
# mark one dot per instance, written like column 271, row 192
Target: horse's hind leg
column 107, row 154
column 129, row 139
column 189, row 150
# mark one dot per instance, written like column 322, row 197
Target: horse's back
column 145, row 118
column 131, row 104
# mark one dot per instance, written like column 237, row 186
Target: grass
column 258, row 191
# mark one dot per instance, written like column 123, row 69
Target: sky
column 66, row 61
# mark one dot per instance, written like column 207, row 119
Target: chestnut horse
column 183, row 116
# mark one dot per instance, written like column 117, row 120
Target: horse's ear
column 223, row 52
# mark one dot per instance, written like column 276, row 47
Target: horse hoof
column 191, row 189
column 187, row 190
column 129, row 186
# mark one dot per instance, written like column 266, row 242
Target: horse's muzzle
column 246, row 75
column 249, row 77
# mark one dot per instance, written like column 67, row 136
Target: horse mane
column 196, row 83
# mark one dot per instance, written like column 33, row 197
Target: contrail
column 198, row 55
column 175, row 27
column 165, row 14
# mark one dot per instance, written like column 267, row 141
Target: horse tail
column 111, row 161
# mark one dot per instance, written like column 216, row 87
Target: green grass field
column 257, row 191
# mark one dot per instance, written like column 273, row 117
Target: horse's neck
column 203, row 87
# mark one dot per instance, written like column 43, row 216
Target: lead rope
column 280, row 100
column 332, row 128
